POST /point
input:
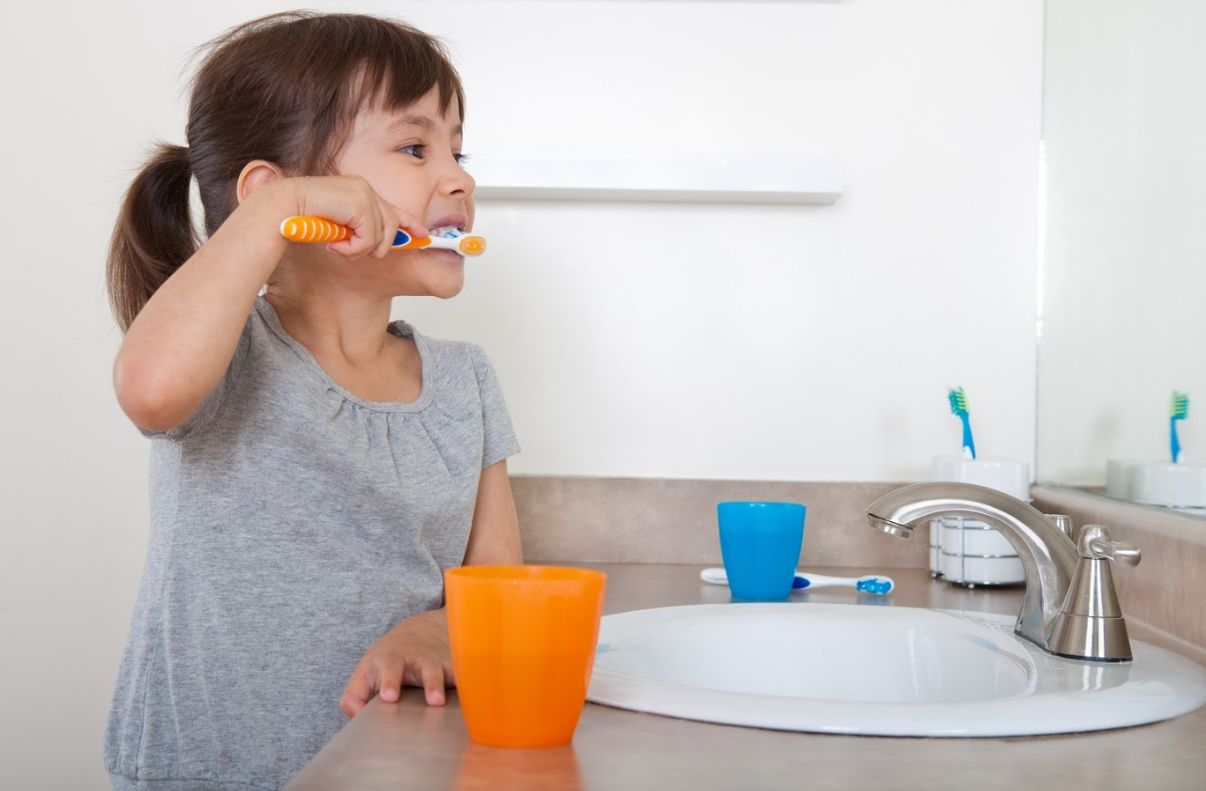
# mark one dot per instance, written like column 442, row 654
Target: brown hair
column 284, row 88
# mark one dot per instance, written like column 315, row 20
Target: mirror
column 1122, row 320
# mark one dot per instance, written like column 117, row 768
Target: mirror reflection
column 1122, row 325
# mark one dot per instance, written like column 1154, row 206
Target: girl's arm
column 181, row 342
column 494, row 537
column 415, row 652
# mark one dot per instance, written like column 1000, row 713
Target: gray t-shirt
column 292, row 524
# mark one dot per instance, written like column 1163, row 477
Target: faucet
column 1070, row 608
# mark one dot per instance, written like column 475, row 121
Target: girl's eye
column 416, row 150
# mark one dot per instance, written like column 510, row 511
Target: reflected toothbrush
column 958, row 401
column 876, row 584
column 1179, row 410
column 320, row 230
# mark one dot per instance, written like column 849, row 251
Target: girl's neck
column 346, row 325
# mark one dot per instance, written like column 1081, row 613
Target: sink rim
column 1157, row 685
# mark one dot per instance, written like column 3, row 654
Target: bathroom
column 660, row 355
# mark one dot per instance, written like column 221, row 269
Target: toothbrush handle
column 1174, row 444
column 968, row 443
column 315, row 230
column 718, row 576
column 821, row 581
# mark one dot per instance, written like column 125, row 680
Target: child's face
column 410, row 157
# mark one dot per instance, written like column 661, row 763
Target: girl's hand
column 351, row 201
column 415, row 653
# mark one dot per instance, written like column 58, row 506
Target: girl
column 314, row 467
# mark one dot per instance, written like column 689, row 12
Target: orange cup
column 522, row 640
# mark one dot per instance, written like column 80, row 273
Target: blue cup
column 760, row 543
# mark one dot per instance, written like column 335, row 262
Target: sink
column 875, row 670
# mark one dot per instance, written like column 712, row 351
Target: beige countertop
column 408, row 745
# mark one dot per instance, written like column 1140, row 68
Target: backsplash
column 660, row 520
column 579, row 519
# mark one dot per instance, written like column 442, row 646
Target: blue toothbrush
column 875, row 584
column 959, row 408
column 1178, row 411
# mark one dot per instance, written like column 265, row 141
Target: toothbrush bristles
column 1180, row 406
column 958, row 400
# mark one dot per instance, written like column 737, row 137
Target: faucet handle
column 1062, row 522
column 1095, row 543
column 1090, row 623
column 1123, row 553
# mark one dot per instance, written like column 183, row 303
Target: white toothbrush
column 876, row 584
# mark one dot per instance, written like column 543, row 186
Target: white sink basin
column 885, row 671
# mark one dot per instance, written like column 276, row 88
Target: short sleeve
column 498, row 436
column 213, row 401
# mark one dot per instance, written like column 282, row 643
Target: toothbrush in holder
column 959, row 408
column 1179, row 410
column 320, row 230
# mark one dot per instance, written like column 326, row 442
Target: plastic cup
column 760, row 543
column 522, row 640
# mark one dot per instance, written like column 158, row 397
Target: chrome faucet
column 1081, row 620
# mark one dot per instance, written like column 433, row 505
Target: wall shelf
column 811, row 179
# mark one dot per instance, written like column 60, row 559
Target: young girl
column 314, row 467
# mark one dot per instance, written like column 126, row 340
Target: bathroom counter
column 409, row 745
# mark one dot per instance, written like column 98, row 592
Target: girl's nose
column 456, row 180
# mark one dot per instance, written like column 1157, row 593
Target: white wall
column 1125, row 267
column 697, row 356
column 692, row 356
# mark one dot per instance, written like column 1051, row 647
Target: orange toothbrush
column 317, row 229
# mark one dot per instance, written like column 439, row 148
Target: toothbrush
column 959, row 408
column 1178, row 411
column 872, row 583
column 317, row 229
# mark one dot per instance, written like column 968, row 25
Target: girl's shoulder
column 443, row 352
column 450, row 364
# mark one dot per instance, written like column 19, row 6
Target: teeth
column 446, row 230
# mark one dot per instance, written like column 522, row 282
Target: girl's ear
column 254, row 175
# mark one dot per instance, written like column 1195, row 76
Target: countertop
column 410, row 745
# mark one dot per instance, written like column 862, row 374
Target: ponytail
column 154, row 233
